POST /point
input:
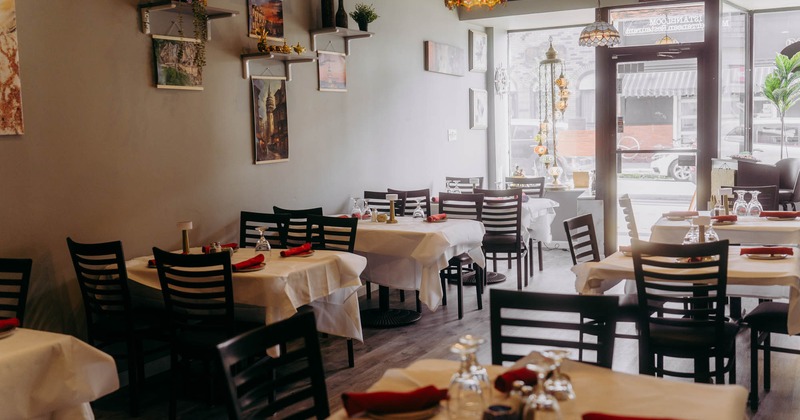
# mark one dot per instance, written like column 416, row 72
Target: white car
column 668, row 164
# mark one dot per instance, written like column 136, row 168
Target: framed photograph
column 478, row 54
column 479, row 109
column 443, row 58
column 332, row 68
column 10, row 84
column 265, row 14
column 174, row 63
column 270, row 120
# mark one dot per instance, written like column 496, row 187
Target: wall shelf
column 344, row 33
column 287, row 59
column 175, row 6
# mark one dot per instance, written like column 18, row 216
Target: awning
column 661, row 83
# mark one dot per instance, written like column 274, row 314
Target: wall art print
column 270, row 122
column 174, row 62
column 479, row 109
column 265, row 14
column 10, row 83
column 332, row 69
column 443, row 58
column 478, row 52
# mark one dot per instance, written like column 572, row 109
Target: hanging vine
column 200, row 31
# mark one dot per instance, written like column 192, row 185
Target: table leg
column 386, row 317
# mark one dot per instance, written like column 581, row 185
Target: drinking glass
column 466, row 397
column 558, row 384
column 418, row 212
column 711, row 234
column 754, row 207
column 478, row 371
column 740, row 205
column 692, row 235
column 355, row 210
column 366, row 212
column 540, row 405
column 263, row 246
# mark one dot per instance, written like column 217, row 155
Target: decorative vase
column 362, row 25
column 328, row 16
column 341, row 15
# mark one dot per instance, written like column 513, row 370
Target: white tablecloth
column 408, row 255
column 746, row 277
column 537, row 215
column 52, row 376
column 327, row 280
column 597, row 390
column 747, row 230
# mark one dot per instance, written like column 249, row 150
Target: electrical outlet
column 452, row 134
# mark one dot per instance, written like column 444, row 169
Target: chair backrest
column 197, row 290
column 582, row 239
column 789, row 176
column 423, row 195
column 377, row 200
column 520, row 320
column 532, row 186
column 336, row 233
column 103, row 279
column 296, row 379
column 296, row 226
column 681, row 286
column 15, row 276
column 465, row 184
column 768, row 196
column 627, row 210
column 276, row 225
column 502, row 212
column 752, row 173
column 461, row 206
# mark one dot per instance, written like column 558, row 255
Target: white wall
column 107, row 156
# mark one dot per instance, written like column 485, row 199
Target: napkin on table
column 248, row 263
column 681, row 214
column 725, row 218
column 7, row 324
column 505, row 381
column 767, row 250
column 296, row 250
column 392, row 402
column 437, row 217
column 785, row 214
column 601, row 416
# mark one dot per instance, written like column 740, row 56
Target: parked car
column 679, row 166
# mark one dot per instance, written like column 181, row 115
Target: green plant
column 782, row 88
column 364, row 13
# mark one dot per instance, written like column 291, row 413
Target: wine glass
column 466, row 397
column 540, row 405
column 355, row 209
column 754, row 207
column 740, row 205
column 478, row 371
column 558, row 384
column 366, row 212
column 711, row 234
column 418, row 212
column 263, row 246
column 692, row 235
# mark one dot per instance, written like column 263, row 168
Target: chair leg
column 419, row 302
column 541, row 264
column 519, row 272
column 767, row 361
column 530, row 255
column 460, row 279
column 351, row 357
column 402, row 296
column 522, row 261
column 753, row 369
column 508, row 259
column 369, row 290
column 444, row 288
column 133, row 377
column 478, row 284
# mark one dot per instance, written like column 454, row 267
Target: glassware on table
column 263, row 246
column 366, row 211
column 740, row 205
column 754, row 207
column 541, row 405
column 355, row 209
column 466, row 396
column 558, row 384
column 418, row 212
column 692, row 235
column 475, row 367
column 711, row 234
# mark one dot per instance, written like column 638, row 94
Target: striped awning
column 661, row 83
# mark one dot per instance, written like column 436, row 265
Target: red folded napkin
column 7, row 324
column 505, row 382
column 681, row 213
column 724, row 218
column 601, row 416
column 151, row 262
column 344, row 216
column 248, row 263
column 784, row 214
column 392, row 402
column 434, row 199
column 437, row 217
column 296, row 250
column 767, row 250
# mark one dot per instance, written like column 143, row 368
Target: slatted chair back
column 412, row 196
column 531, row 186
column 768, row 196
column 582, row 239
column 461, row 206
column 15, row 276
column 261, row 387
column 276, row 232
column 521, row 321
column 334, row 233
column 296, row 226
column 466, row 185
column 502, row 211
column 378, row 201
column 627, row 210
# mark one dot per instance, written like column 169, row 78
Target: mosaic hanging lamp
column 599, row 33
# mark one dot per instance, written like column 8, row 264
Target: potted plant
column 363, row 15
column 782, row 88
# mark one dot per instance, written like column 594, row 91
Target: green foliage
column 175, row 77
column 782, row 86
column 364, row 13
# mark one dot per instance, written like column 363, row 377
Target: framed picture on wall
column 478, row 54
column 443, row 58
column 479, row 109
column 174, row 63
column 270, row 120
column 10, row 88
column 265, row 14
column 332, row 69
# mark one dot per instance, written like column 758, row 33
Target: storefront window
column 733, row 30
column 659, row 25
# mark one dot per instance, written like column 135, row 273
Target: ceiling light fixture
column 599, row 34
column 469, row 4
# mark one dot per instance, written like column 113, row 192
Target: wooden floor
column 432, row 336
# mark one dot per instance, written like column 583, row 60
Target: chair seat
column 785, row 195
column 688, row 342
column 628, row 308
column 770, row 317
column 502, row 243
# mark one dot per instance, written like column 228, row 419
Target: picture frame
column 479, row 109
column 270, row 119
column 11, row 122
column 444, row 58
column 332, row 71
column 478, row 51
column 265, row 14
column 174, row 66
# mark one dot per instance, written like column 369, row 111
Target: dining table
column 326, row 280
column 746, row 230
column 46, row 375
column 597, row 390
column 408, row 255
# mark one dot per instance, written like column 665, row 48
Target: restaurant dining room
column 468, row 209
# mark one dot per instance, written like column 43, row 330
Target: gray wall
column 107, row 156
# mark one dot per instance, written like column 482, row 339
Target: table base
column 378, row 318
column 469, row 279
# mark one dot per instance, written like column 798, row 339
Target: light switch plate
column 452, row 134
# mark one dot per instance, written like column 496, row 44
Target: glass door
column 656, row 134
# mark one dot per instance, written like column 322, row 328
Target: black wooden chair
column 788, row 182
column 681, row 313
column 520, row 320
column 532, row 187
column 377, row 200
column 502, row 219
column 276, row 232
column 111, row 318
column 462, row 206
column 260, row 387
column 466, row 185
column 423, row 195
column 296, row 226
column 15, row 276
